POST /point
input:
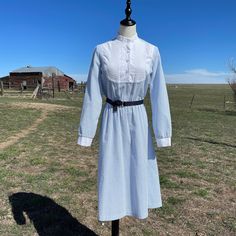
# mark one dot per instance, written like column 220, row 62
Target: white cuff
column 163, row 142
column 84, row 141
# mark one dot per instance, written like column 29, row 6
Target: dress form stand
column 127, row 29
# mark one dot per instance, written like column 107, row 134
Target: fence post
column 21, row 87
column 58, row 85
column 224, row 102
column 2, row 91
column 53, row 85
column 191, row 101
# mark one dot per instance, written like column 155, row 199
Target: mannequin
column 127, row 29
column 127, row 25
column 124, row 70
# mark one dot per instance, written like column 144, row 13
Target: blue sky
column 196, row 38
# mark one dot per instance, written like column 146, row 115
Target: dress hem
column 140, row 217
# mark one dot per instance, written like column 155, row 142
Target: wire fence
column 33, row 91
column 208, row 102
column 223, row 100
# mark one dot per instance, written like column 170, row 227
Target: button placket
column 126, row 61
column 128, row 48
column 126, row 67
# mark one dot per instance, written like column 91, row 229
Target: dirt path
column 44, row 109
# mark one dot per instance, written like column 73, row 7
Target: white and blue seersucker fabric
column 128, row 178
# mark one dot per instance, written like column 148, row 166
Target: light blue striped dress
column 128, row 179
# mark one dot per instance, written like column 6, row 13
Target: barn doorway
column 71, row 86
column 24, row 84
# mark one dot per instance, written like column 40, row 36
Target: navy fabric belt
column 117, row 103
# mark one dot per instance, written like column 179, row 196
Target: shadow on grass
column 49, row 218
column 211, row 141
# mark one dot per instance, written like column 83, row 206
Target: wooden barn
column 29, row 77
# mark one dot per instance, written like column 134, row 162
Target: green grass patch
column 167, row 183
column 170, row 207
column 75, row 172
column 186, row 174
column 201, row 192
column 15, row 120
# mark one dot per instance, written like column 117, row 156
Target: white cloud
column 204, row 72
column 195, row 76
column 198, row 76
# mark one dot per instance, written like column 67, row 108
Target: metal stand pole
column 115, row 228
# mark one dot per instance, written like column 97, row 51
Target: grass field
column 48, row 182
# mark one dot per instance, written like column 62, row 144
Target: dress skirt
column 128, row 177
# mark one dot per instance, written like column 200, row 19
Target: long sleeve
column 161, row 117
column 92, row 103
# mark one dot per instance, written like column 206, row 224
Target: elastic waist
column 117, row 103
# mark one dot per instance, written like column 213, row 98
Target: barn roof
column 4, row 77
column 45, row 70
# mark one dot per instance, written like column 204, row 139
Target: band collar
column 127, row 39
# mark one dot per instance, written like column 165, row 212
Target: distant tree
column 232, row 79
